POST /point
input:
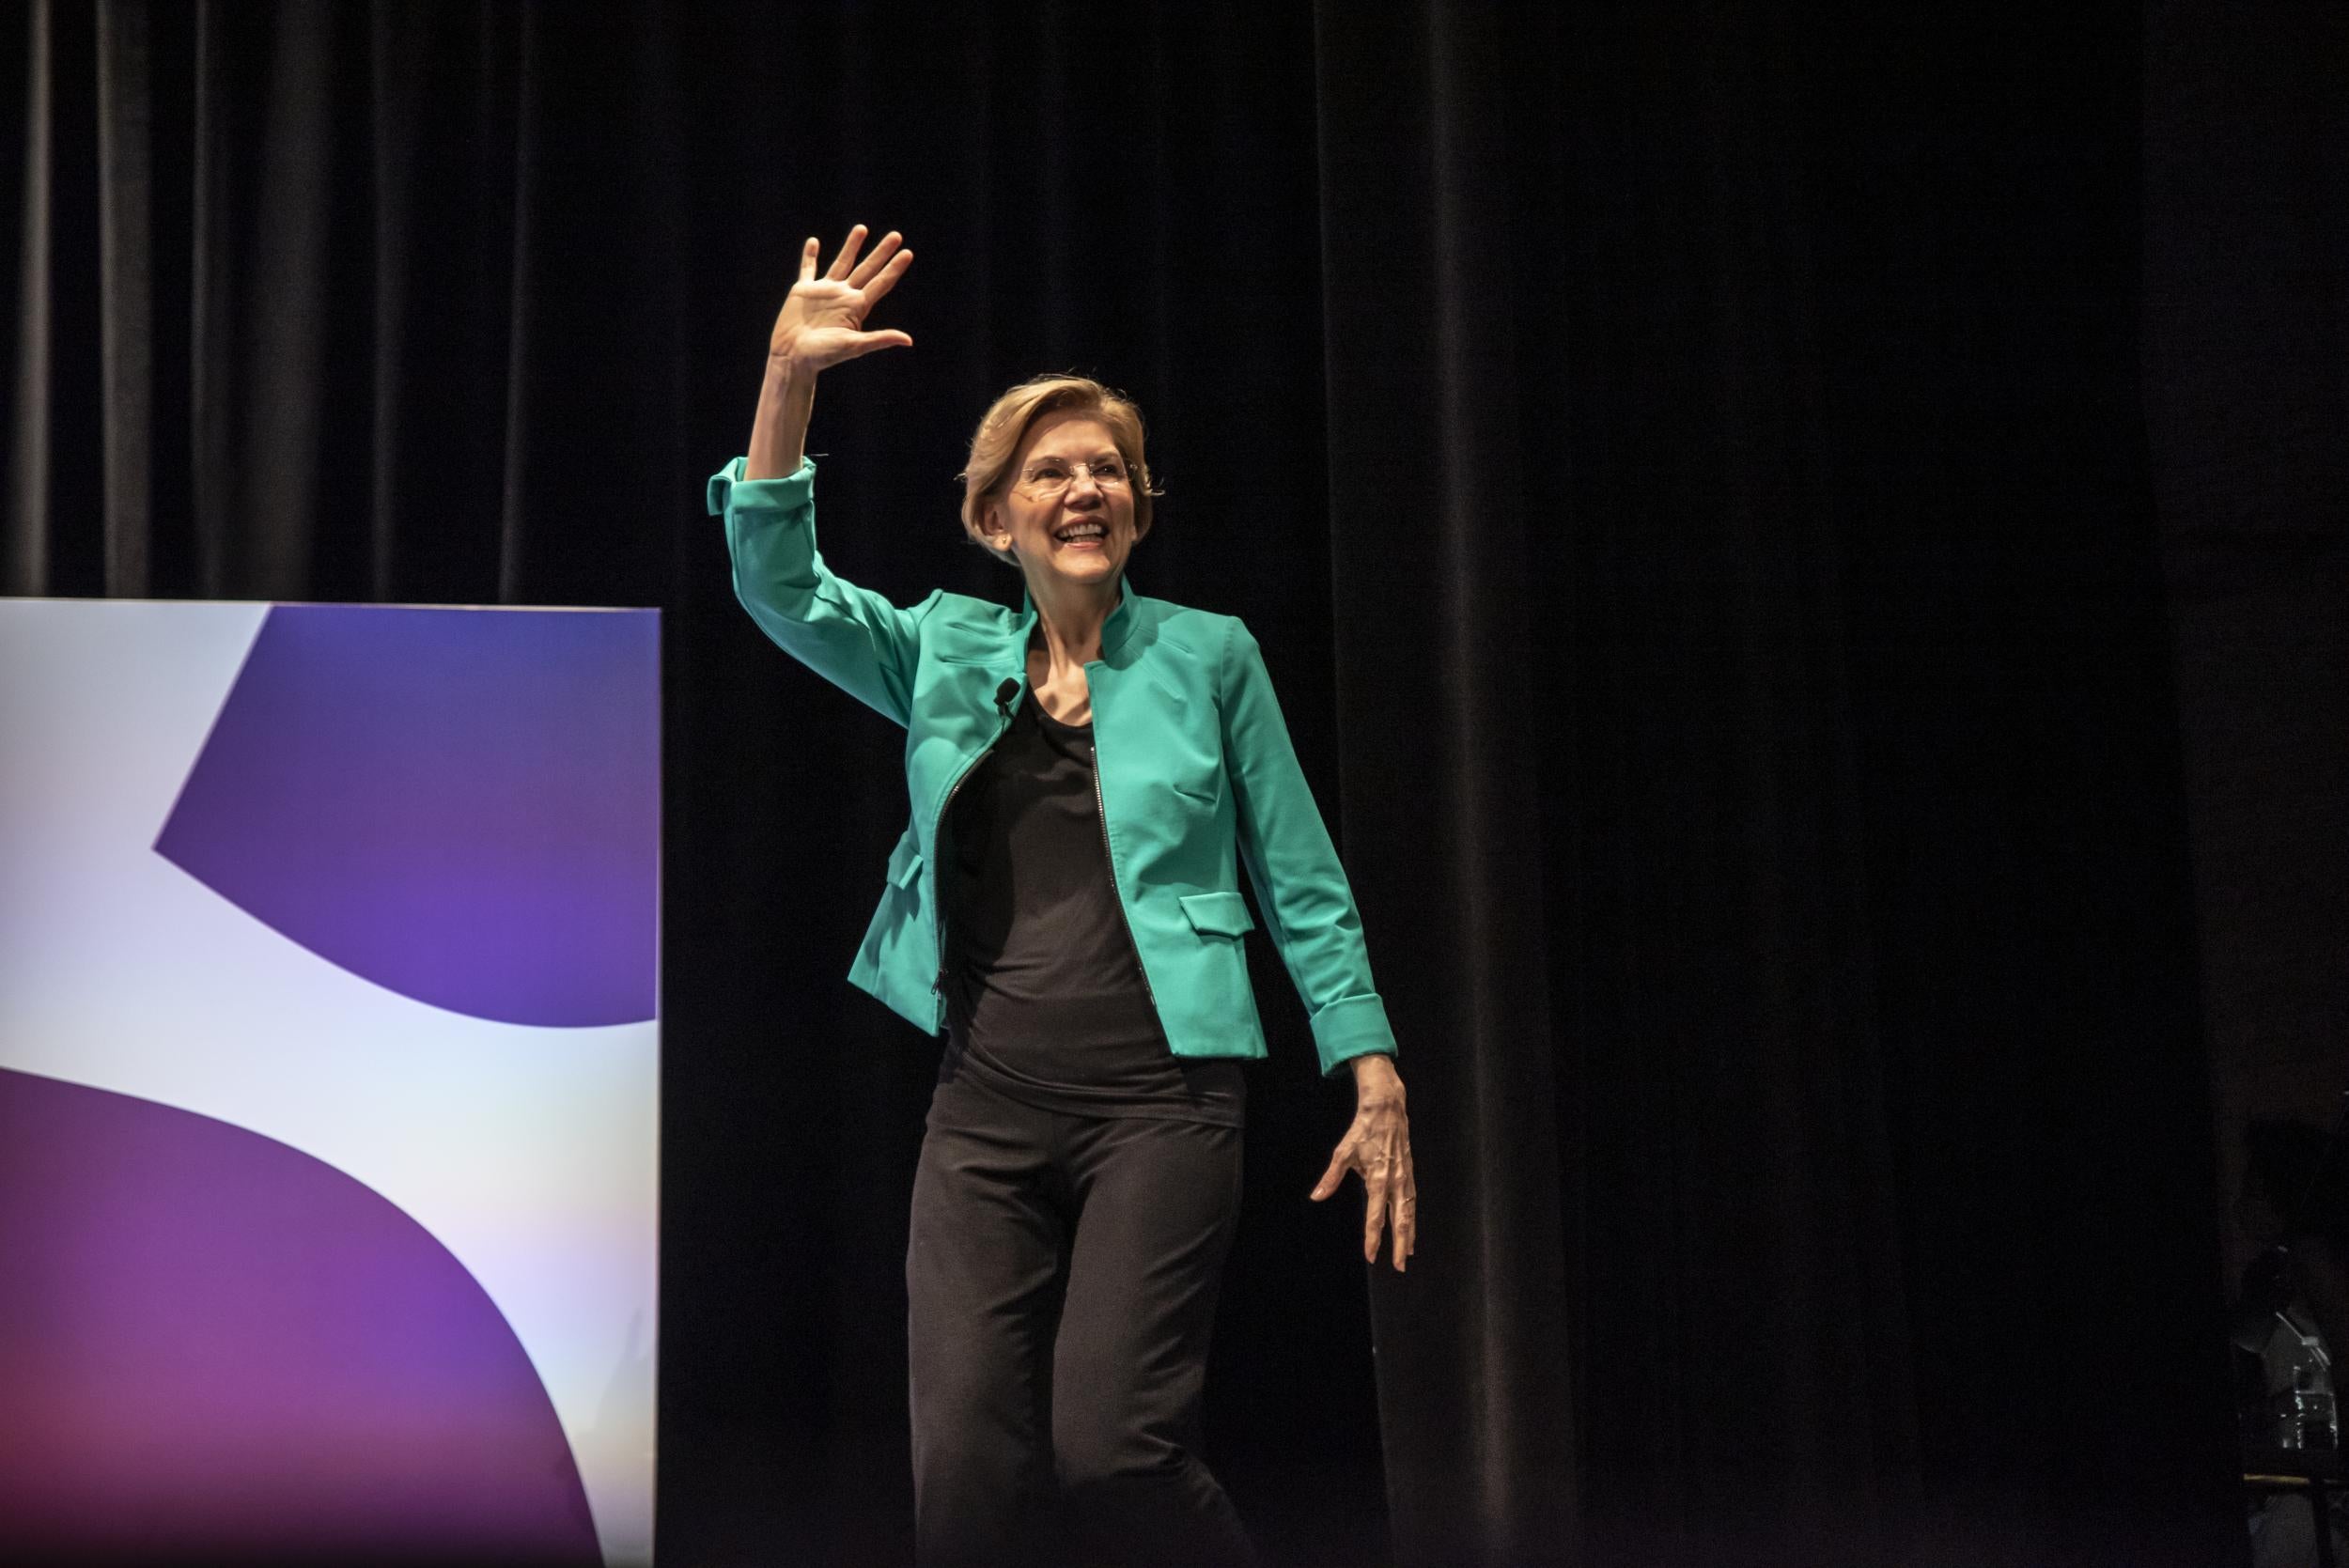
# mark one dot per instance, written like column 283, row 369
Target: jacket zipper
column 1110, row 856
column 938, row 830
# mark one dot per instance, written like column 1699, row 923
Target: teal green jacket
column 1192, row 762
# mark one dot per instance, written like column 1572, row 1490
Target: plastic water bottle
column 2309, row 1417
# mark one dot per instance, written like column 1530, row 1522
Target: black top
column 1046, row 999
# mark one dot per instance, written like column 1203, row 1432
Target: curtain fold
column 126, row 246
column 1612, row 558
column 1434, row 571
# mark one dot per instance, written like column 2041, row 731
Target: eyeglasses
column 1049, row 476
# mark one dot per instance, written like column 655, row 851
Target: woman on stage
column 1085, row 775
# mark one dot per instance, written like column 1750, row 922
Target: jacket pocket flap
column 1217, row 914
column 905, row 862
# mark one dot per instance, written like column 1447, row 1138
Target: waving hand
column 821, row 323
column 822, row 320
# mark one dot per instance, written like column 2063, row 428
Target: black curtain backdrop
column 1687, row 463
column 2245, row 347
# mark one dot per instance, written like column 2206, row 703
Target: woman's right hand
column 821, row 323
column 822, row 319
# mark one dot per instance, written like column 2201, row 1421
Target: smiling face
column 1085, row 533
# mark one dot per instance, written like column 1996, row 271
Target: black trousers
column 1061, row 1279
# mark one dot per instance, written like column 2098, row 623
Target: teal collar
column 1114, row 630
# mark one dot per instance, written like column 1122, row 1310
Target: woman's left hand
column 1378, row 1146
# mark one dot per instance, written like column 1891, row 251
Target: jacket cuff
column 1351, row 1027
column 727, row 488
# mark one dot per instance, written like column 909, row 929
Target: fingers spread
column 846, row 258
column 886, row 279
column 807, row 260
column 873, row 263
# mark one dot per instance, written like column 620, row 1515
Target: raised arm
column 850, row 635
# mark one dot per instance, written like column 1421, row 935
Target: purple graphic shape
column 214, row 1344
column 460, row 805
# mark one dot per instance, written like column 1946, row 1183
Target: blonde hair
column 1003, row 428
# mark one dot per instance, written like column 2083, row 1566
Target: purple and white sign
column 329, row 1058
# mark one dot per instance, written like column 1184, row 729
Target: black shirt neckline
column 1037, row 703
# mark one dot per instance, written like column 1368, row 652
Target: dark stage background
column 1687, row 465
